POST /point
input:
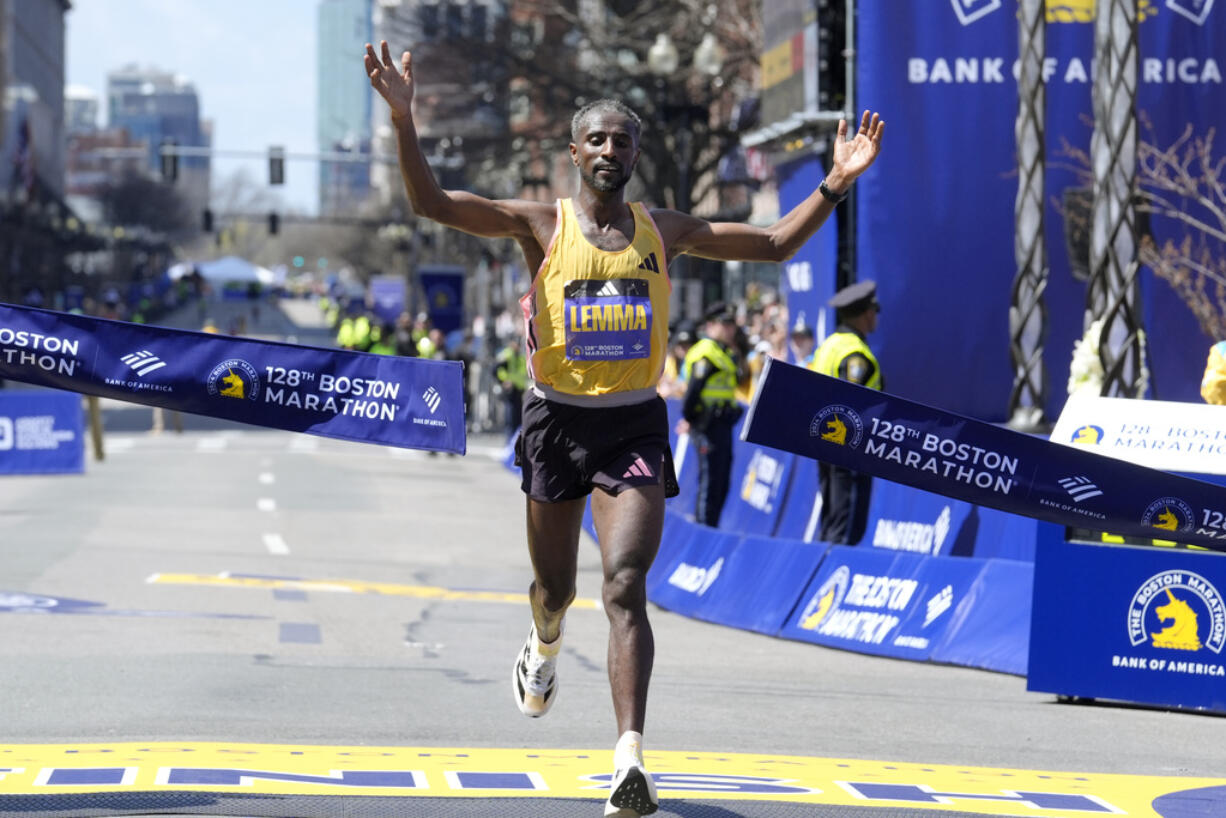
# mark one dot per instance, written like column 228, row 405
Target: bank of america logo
column 432, row 399
column 969, row 11
column 143, row 362
column 1080, row 488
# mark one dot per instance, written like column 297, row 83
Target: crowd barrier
column 41, row 432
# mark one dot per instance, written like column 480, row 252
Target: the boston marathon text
column 336, row 394
column 942, row 456
column 45, row 352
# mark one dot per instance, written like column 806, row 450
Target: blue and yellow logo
column 1178, row 610
column 837, row 424
column 826, row 599
column 1083, row 11
column 1169, row 514
column 1088, row 435
column 234, row 378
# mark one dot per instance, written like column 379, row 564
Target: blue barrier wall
column 41, row 432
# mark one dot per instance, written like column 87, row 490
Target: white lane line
column 267, row 478
column 211, row 444
column 266, row 504
column 275, row 544
column 303, row 443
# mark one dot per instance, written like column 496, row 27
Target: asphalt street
column 250, row 587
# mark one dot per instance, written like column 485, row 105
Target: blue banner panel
column 873, row 601
column 688, row 573
column 444, row 290
column 758, row 486
column 1133, row 624
column 41, row 433
column 809, row 277
column 758, row 584
column 408, row 402
column 387, row 297
column 674, row 540
column 990, row 628
column 902, row 518
column 825, row 418
column 799, row 517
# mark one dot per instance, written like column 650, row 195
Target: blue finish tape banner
column 40, row 433
column 825, row 418
column 406, row 402
column 1135, row 624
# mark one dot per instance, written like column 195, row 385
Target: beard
column 606, row 184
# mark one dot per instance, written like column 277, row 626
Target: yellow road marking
column 353, row 586
column 442, row 772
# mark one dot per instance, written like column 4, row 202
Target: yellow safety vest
column 720, row 387
column 835, row 349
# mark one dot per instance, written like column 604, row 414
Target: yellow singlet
column 597, row 320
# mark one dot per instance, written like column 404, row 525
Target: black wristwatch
column 831, row 196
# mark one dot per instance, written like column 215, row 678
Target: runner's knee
column 625, row 589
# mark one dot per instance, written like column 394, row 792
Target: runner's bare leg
column 628, row 526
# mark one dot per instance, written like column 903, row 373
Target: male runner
column 597, row 334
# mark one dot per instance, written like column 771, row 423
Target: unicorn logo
column 234, row 378
column 1088, row 435
column 1169, row 514
column 233, row 386
column 1173, row 609
column 1167, row 521
column 1181, row 634
column 836, row 431
column 839, row 425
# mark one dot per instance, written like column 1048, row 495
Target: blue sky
column 252, row 62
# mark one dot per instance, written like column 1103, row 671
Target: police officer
column 511, row 368
column 845, row 354
column 711, row 410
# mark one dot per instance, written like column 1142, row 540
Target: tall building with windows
column 32, row 81
column 460, row 95
column 344, row 105
column 155, row 106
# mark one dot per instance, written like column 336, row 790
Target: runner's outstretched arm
column 733, row 241
column 502, row 218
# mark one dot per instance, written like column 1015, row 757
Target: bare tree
column 1184, row 182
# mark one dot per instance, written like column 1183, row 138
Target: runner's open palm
column 396, row 88
column 854, row 155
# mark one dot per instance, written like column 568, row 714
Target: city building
column 80, row 109
column 156, row 107
column 344, row 105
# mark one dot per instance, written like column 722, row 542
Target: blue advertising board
column 873, row 601
column 407, row 402
column 759, row 483
column 1137, row 624
column 809, row 277
column 990, row 629
column 444, row 291
column 943, row 71
column 41, row 432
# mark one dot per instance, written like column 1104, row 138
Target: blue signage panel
column 407, row 402
column 758, row 584
column 902, row 518
column 444, row 291
column 798, row 519
column 1139, row 624
column 991, row 627
column 40, row 432
column 809, row 277
column 689, row 572
column 758, row 486
column 825, row 418
column 873, row 601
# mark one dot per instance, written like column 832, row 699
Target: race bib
column 608, row 320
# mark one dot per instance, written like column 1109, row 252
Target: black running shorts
column 566, row 451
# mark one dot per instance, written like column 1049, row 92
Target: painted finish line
column 351, row 586
column 435, row 772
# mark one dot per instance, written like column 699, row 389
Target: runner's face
column 607, row 151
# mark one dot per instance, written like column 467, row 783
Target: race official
column 845, row 354
column 710, row 409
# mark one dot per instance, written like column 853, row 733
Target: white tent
column 227, row 269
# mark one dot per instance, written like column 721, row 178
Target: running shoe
column 633, row 794
column 534, row 680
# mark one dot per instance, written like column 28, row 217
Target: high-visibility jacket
column 1213, row 386
column 829, row 358
column 720, row 387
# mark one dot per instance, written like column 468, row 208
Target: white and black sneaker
column 633, row 793
column 534, row 680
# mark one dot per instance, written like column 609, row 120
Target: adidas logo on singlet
column 650, row 264
column 609, row 289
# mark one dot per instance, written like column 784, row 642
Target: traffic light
column 831, row 62
column 207, row 220
column 276, row 165
column 170, row 161
column 274, row 224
